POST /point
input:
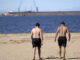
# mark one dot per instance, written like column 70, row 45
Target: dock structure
column 29, row 13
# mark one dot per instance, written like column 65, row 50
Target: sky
column 43, row 5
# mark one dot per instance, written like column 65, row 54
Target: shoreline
column 24, row 37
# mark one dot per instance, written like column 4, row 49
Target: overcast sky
column 43, row 5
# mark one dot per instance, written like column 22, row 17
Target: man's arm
column 31, row 34
column 69, row 35
column 41, row 35
column 57, row 34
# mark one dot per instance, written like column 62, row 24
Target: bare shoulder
column 33, row 29
column 59, row 27
column 66, row 27
column 40, row 29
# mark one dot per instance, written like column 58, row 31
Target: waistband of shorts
column 36, row 38
column 62, row 36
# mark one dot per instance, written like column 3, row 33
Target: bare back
column 62, row 30
column 36, row 32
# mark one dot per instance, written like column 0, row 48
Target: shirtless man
column 62, row 40
column 37, row 39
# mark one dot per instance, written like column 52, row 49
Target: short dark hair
column 37, row 24
column 63, row 23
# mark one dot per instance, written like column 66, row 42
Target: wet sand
column 19, row 47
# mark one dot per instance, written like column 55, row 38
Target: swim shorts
column 62, row 41
column 36, row 42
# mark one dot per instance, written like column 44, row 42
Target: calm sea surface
column 49, row 24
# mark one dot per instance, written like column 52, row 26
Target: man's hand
column 69, row 39
column 55, row 40
column 41, row 43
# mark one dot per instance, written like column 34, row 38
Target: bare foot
column 33, row 58
column 59, row 57
column 40, row 59
column 64, row 58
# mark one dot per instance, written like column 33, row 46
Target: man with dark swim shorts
column 37, row 39
column 62, row 40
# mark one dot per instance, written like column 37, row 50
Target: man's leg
column 59, row 51
column 64, row 52
column 39, row 52
column 34, row 53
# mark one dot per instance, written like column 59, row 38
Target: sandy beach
column 19, row 47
